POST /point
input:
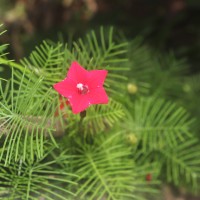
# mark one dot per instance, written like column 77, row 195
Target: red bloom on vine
column 82, row 87
column 149, row 177
column 61, row 107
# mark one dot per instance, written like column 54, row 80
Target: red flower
column 82, row 87
column 149, row 177
column 61, row 106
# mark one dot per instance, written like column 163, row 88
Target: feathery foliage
column 3, row 46
column 25, row 117
column 190, row 94
column 106, row 171
column 153, row 72
column 122, row 150
column 182, row 163
column 38, row 179
column 100, row 117
column 45, row 61
column 158, row 123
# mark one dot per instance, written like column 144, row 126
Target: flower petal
column 93, row 80
column 66, row 88
column 77, row 73
column 96, row 78
column 79, row 103
column 98, row 96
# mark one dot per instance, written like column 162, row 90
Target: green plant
column 122, row 150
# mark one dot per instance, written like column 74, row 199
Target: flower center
column 82, row 89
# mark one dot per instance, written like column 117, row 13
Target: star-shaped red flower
column 82, row 87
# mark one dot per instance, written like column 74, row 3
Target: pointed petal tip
column 105, row 71
column 75, row 64
column 55, row 86
column 106, row 100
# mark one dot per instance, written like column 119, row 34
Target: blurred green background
column 164, row 24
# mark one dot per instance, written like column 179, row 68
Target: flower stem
column 83, row 114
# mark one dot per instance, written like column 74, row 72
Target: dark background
column 165, row 24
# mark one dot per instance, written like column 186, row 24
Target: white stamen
column 80, row 86
column 82, row 89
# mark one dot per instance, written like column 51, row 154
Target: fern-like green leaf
column 100, row 117
column 25, row 180
column 3, row 47
column 107, row 171
column 153, row 72
column 45, row 61
column 158, row 123
column 25, row 117
column 181, row 164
